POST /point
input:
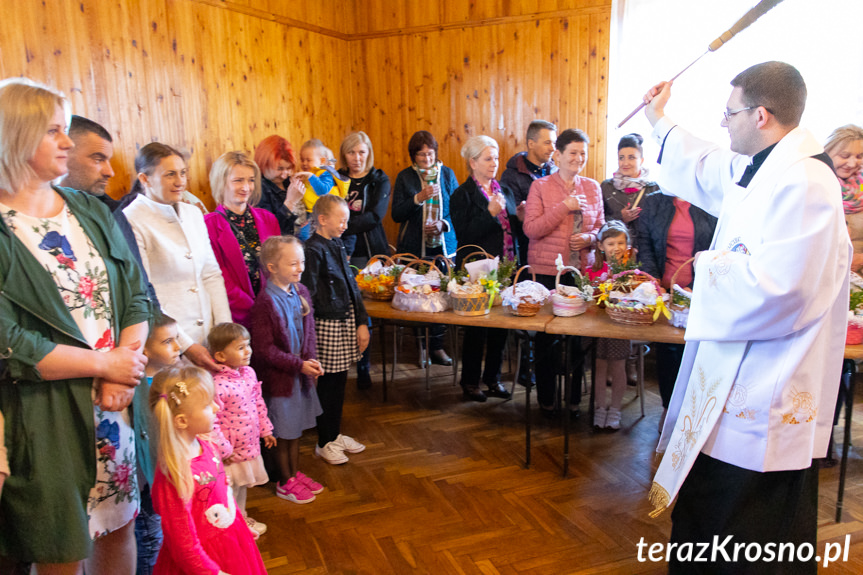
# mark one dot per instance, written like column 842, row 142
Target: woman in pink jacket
column 563, row 215
column 238, row 230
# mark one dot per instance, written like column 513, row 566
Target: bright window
column 652, row 40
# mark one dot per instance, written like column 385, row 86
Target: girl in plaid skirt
column 340, row 322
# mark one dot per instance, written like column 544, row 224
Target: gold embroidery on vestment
column 804, row 406
column 703, row 402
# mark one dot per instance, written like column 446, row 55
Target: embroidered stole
column 710, row 382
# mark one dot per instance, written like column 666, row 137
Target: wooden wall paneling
column 183, row 72
column 118, row 70
column 493, row 80
column 601, row 24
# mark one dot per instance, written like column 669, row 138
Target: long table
column 594, row 323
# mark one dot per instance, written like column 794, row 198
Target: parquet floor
column 442, row 489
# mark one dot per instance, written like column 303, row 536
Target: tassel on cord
column 660, row 500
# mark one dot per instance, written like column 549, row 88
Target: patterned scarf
column 502, row 218
column 852, row 194
column 630, row 185
column 428, row 174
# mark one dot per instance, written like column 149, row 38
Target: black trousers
column 668, row 358
column 549, row 362
column 720, row 499
column 492, row 340
column 331, row 394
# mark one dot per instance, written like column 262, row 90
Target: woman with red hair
column 281, row 193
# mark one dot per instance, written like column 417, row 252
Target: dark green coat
column 49, row 425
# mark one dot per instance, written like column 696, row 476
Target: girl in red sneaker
column 283, row 336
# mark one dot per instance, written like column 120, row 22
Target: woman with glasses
column 421, row 201
column 421, row 205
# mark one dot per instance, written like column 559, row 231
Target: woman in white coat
column 175, row 250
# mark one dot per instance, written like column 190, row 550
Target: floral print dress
column 67, row 254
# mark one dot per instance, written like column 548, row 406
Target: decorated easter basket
column 379, row 287
column 519, row 306
column 680, row 300
column 470, row 304
column 628, row 281
column 428, row 300
column 481, row 252
column 566, row 306
column 476, row 303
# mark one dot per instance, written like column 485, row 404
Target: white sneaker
column 599, row 416
column 332, row 453
column 349, row 444
column 613, row 419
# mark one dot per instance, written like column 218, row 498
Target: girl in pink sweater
column 242, row 419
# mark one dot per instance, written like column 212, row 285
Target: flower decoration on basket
column 379, row 278
column 681, row 299
column 419, row 287
column 854, row 335
column 473, row 288
column 525, row 298
column 632, row 297
column 570, row 301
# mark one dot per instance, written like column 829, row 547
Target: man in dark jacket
column 521, row 170
column 525, row 167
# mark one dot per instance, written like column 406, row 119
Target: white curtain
column 652, row 40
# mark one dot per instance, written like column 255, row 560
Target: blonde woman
column 845, row 148
column 484, row 214
column 368, row 199
column 73, row 317
column 238, row 230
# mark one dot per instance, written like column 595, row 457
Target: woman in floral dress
column 73, row 317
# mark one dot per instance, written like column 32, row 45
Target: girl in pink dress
column 242, row 421
column 203, row 531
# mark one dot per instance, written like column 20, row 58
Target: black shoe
column 574, row 412
column 364, row 380
column 498, row 390
column 548, row 413
column 526, row 378
column 474, row 393
column 439, row 357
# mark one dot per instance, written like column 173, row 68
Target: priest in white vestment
column 754, row 399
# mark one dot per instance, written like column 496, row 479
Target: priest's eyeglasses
column 729, row 113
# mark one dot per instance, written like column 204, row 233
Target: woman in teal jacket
column 55, row 371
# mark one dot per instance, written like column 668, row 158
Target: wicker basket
column 563, row 306
column 480, row 252
column 419, row 302
column 679, row 313
column 470, row 304
column 524, row 309
column 629, row 316
column 389, row 291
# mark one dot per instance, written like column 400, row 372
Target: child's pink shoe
column 293, row 490
column 310, row 483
